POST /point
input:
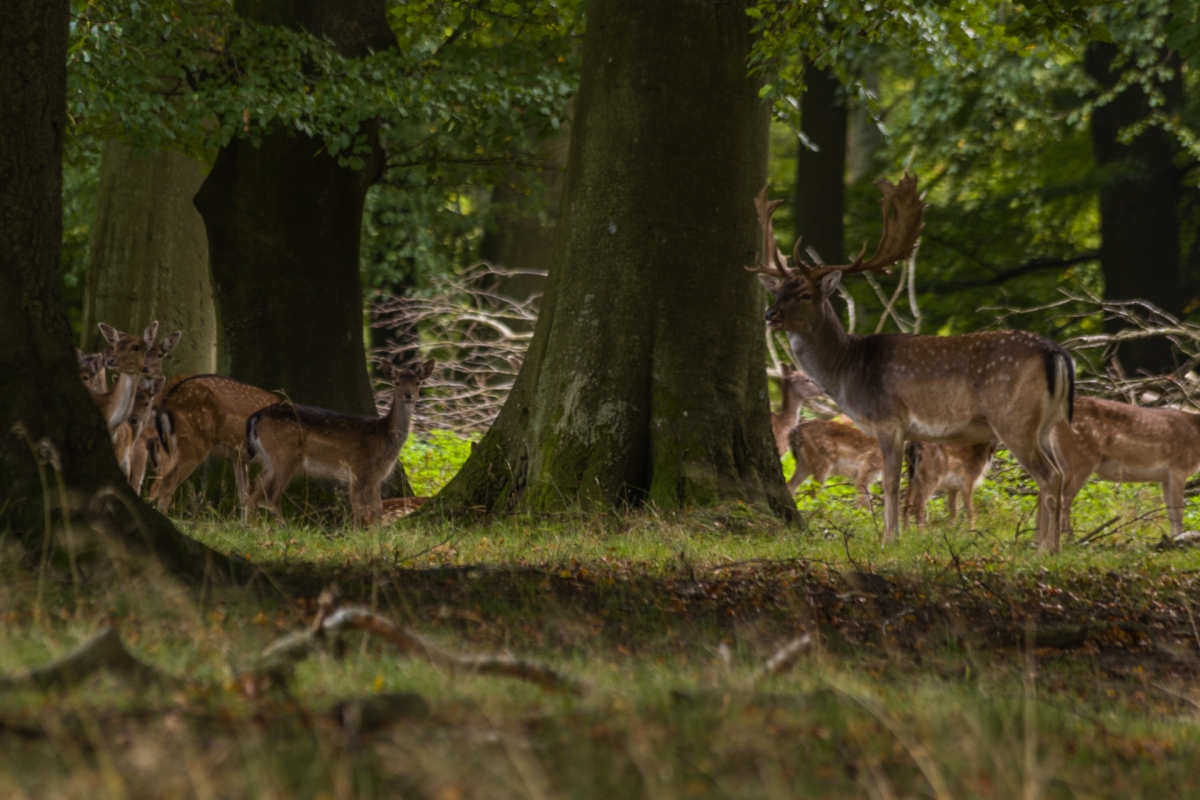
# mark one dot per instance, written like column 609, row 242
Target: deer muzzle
column 774, row 318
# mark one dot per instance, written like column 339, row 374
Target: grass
column 971, row 667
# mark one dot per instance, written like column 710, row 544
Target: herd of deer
column 946, row 401
column 954, row 399
column 176, row 425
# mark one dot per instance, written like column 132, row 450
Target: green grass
column 919, row 687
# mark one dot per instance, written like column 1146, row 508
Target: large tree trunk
column 821, row 173
column 1139, row 204
column 284, row 222
column 645, row 379
column 39, row 379
column 149, row 256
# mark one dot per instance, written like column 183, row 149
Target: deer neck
column 120, row 400
column 825, row 353
column 399, row 418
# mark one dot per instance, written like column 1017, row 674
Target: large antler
column 903, row 217
column 776, row 265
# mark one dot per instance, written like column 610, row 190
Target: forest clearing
column 599, row 398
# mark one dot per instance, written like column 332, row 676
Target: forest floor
column 954, row 664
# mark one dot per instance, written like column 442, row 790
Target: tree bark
column 1139, row 204
column 284, row 222
column 39, row 379
column 149, row 256
column 821, row 173
column 645, row 379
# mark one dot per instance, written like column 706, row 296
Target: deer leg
column 952, row 505
column 1173, row 495
column 969, row 507
column 863, row 485
column 182, row 465
column 801, row 474
column 893, row 457
column 137, row 465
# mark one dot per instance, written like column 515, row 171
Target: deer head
column 407, row 382
column 126, row 353
column 802, row 289
column 156, row 354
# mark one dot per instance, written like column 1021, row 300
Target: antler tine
column 903, row 218
column 798, row 260
column 777, row 266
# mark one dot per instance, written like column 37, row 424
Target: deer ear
column 156, row 385
column 150, row 332
column 79, row 356
column 171, row 342
column 770, row 283
column 830, row 283
column 788, row 370
column 387, row 370
column 110, row 334
column 426, row 369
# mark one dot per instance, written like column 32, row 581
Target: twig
column 103, row 651
column 785, row 657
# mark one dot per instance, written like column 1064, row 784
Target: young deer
column 823, row 448
column 202, row 416
column 1130, row 444
column 951, row 468
column 360, row 451
column 92, row 371
column 797, row 387
column 971, row 389
column 126, row 354
column 136, row 442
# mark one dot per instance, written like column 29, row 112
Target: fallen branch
column 785, row 657
column 330, row 626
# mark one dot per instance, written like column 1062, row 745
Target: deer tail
column 1060, row 378
column 252, row 436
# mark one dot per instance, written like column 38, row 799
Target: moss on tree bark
column 645, row 379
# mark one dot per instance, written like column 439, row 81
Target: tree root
column 105, row 650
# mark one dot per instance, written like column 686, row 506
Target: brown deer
column 202, row 416
column 360, row 451
column 797, row 388
column 823, row 448
column 126, row 354
column 1130, row 444
column 976, row 388
column 92, row 371
column 951, row 468
column 133, row 450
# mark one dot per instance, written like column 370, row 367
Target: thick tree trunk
column 149, row 256
column 821, row 173
column 39, row 379
column 645, row 379
column 1139, row 205
column 284, row 222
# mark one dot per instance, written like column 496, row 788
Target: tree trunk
column 1139, row 205
column 821, row 173
column 39, row 379
column 645, row 380
column 149, row 256
column 284, row 221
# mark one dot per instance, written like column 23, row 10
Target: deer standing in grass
column 823, row 448
column 202, row 416
column 796, row 387
column 1130, row 444
column 126, row 353
column 977, row 388
column 950, row 468
column 359, row 451
column 134, row 437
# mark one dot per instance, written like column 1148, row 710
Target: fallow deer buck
column 359, row 451
column 950, row 468
column 797, row 388
column 823, row 448
column 126, row 354
column 976, row 388
column 202, row 416
column 1130, row 444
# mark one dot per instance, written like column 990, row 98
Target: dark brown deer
column 199, row 417
column 823, row 448
column 950, row 468
column 360, row 451
column 797, row 388
column 977, row 388
column 1130, row 444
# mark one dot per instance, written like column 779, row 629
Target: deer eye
column 135, row 348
